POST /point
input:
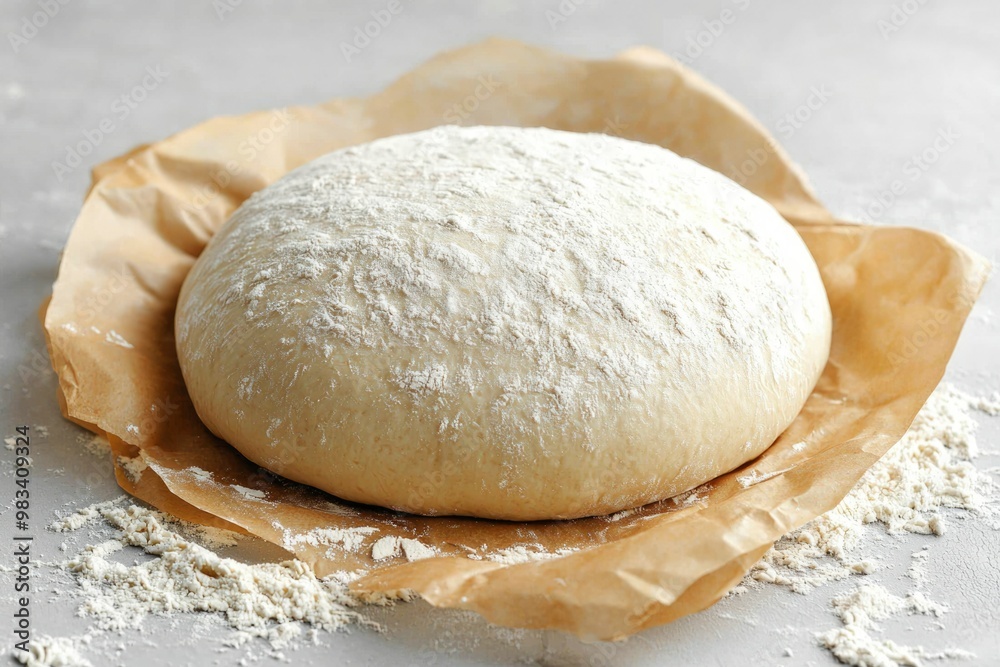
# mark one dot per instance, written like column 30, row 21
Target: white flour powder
column 186, row 577
column 860, row 611
column 391, row 546
column 929, row 469
column 45, row 651
column 524, row 554
column 348, row 539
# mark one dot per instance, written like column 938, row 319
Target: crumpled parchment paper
column 899, row 299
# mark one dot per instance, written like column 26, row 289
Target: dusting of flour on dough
column 544, row 313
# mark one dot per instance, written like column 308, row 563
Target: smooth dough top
column 502, row 322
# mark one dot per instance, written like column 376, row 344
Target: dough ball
column 502, row 322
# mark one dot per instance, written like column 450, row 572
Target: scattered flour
column 283, row 603
column 860, row 610
column 525, row 554
column 348, row 539
column 691, row 497
column 45, row 651
column 930, row 468
column 187, row 577
column 756, row 477
column 918, row 566
column 133, row 467
column 391, row 546
column 624, row 514
column 249, row 494
column 988, row 404
column 200, row 473
column 116, row 338
column 96, row 445
column 280, row 636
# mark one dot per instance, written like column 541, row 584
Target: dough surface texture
column 500, row 322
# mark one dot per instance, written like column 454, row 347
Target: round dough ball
column 503, row 322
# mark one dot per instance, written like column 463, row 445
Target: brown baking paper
column 899, row 298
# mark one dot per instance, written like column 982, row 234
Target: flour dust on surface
column 268, row 610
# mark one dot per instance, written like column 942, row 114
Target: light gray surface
column 889, row 95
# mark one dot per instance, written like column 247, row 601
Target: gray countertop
column 884, row 80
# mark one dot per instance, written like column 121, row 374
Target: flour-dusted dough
column 502, row 322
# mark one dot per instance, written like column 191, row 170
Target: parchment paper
column 899, row 298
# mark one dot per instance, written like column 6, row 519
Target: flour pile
column 187, row 577
column 269, row 600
